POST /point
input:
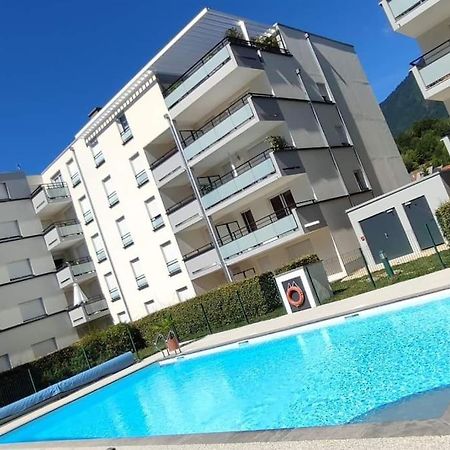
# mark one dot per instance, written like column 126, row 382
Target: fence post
column 367, row 268
column 387, row 265
column 435, row 246
column 242, row 306
column 31, row 379
column 133, row 345
column 85, row 357
column 206, row 318
column 174, row 329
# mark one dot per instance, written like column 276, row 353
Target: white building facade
column 236, row 149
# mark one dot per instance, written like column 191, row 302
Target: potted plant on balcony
column 234, row 33
column 266, row 41
column 277, row 143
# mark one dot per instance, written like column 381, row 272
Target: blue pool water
column 325, row 376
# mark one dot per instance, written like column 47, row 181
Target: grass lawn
column 403, row 271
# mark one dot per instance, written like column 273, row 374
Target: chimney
column 94, row 111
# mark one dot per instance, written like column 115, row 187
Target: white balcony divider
column 261, row 236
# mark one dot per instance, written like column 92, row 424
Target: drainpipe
column 179, row 144
column 88, row 195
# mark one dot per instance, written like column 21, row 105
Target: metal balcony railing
column 114, row 293
column 180, row 204
column 173, row 267
column 141, row 178
column 197, row 252
column 78, row 267
column 127, row 240
column 88, row 217
column 76, row 179
column 53, row 191
column 113, row 199
column 65, row 228
column 157, row 222
column 434, row 66
column 101, row 255
column 141, row 282
column 400, row 8
column 163, row 158
column 99, row 159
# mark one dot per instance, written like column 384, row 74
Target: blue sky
column 59, row 58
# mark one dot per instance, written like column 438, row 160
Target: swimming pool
column 319, row 376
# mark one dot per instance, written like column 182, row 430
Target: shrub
column 443, row 216
column 303, row 261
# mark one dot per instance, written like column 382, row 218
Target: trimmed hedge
column 304, row 261
column 443, row 216
column 223, row 307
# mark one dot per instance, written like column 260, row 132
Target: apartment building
column 237, row 148
column 428, row 21
column 34, row 312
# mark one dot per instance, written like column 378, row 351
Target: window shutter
column 32, row 309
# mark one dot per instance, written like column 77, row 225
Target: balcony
column 262, row 169
column 157, row 222
column 62, row 235
column 432, row 73
column 76, row 179
column 415, row 17
column 126, row 135
column 75, row 272
column 184, row 213
column 270, row 230
column 141, row 282
column 50, row 199
column 202, row 261
column 113, row 199
column 127, row 240
column 167, row 167
column 228, row 67
column 248, row 118
column 94, row 308
column 99, row 159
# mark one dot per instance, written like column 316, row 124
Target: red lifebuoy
column 291, row 290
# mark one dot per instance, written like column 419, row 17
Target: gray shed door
column 420, row 216
column 385, row 232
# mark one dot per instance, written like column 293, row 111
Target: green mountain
column 406, row 105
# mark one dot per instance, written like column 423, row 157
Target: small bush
column 443, row 216
column 304, row 261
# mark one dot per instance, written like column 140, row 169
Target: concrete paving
column 431, row 428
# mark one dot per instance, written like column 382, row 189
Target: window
column 97, row 154
column 9, row 229
column 249, row 221
column 3, row 192
column 141, row 280
column 5, row 363
column 138, row 169
column 122, row 317
column 43, row 348
column 99, row 248
column 360, row 180
column 170, row 256
column 124, row 128
column 19, row 269
column 150, row 306
column 86, row 210
column 183, row 294
column 32, row 309
column 112, row 286
column 125, row 235
column 74, row 173
column 153, row 212
column 283, row 204
column 111, row 194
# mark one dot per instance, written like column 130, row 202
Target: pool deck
column 403, row 428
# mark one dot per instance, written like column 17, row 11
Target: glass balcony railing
column 208, row 65
column 173, row 267
column 114, row 293
column 262, row 231
column 99, row 159
column 113, row 199
column 217, row 128
column 76, row 179
column 141, row 282
column 101, row 255
column 400, row 8
column 88, row 217
column 126, row 135
column 216, row 189
column 434, row 66
column 53, row 191
column 127, row 240
column 141, row 178
column 157, row 222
